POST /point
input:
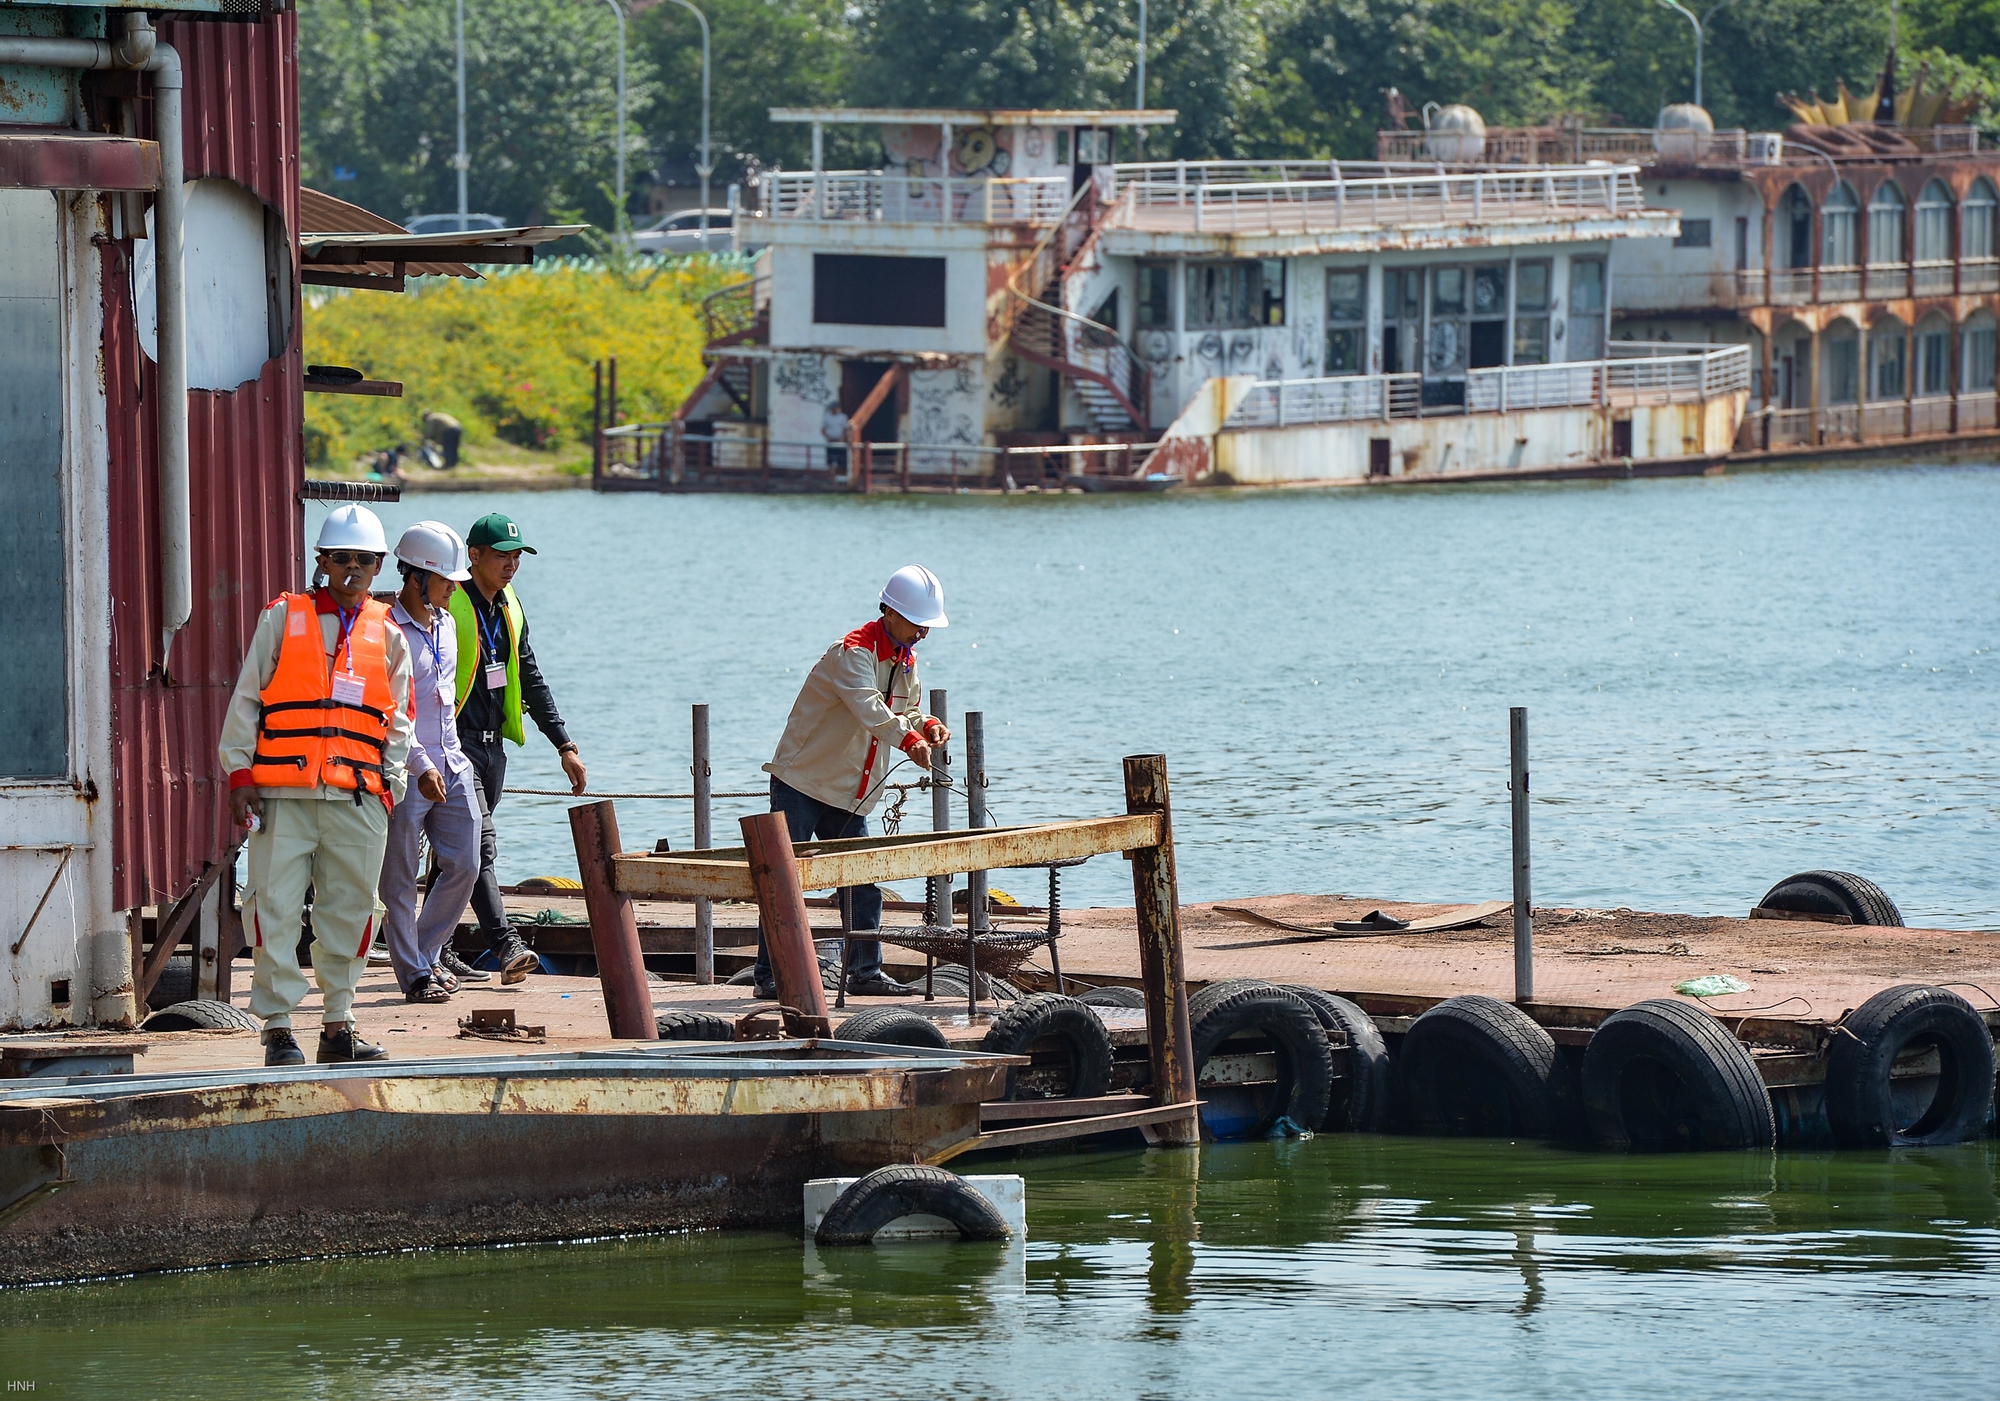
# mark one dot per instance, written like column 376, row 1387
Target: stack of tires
column 1266, row 1063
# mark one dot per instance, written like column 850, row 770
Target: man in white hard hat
column 859, row 705
column 314, row 744
column 444, row 804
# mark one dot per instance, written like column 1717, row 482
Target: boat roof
column 979, row 116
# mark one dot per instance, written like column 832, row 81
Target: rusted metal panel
column 724, row 874
column 74, row 160
column 241, row 122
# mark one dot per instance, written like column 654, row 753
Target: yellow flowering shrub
column 509, row 356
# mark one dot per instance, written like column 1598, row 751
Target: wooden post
column 1524, row 915
column 614, row 930
column 1162, row 967
column 611, row 395
column 781, row 909
column 597, row 424
column 704, row 908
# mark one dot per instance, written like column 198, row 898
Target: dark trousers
column 489, row 773
column 811, row 820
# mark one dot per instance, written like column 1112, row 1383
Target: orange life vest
column 305, row 737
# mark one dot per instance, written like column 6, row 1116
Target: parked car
column 454, row 223
column 681, row 233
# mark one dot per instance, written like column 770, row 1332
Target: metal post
column 938, row 896
column 461, row 162
column 1162, row 963
column 704, row 908
column 611, row 395
column 1524, row 916
column 597, row 422
column 975, row 882
column 619, row 219
column 781, row 909
column 614, row 930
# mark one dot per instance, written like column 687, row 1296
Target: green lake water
column 1337, row 1266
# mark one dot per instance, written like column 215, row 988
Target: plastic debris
column 1714, row 985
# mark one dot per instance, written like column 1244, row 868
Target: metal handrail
column 1075, row 320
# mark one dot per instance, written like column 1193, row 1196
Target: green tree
column 376, row 93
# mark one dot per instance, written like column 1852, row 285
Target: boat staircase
column 1092, row 358
column 739, row 314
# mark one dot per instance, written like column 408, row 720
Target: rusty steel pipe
column 781, row 909
column 1162, row 964
column 614, row 929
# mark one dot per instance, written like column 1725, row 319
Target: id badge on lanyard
column 348, row 689
column 496, row 676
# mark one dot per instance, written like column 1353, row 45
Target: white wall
column 1652, row 274
column 962, row 246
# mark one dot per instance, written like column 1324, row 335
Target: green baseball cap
column 497, row 532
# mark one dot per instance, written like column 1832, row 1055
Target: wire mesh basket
column 1000, row 952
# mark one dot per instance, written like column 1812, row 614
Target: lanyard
column 347, row 621
column 431, row 642
column 490, row 641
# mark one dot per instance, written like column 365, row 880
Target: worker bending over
column 314, row 744
column 858, row 707
column 443, row 805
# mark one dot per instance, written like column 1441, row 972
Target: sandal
column 443, row 978
column 426, row 989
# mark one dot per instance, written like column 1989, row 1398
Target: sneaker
column 423, row 988
column 764, row 992
column 877, row 985
column 378, row 954
column 339, row 1043
column 515, row 958
column 442, row 978
column 281, row 1049
column 461, row 970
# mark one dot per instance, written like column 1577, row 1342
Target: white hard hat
column 434, row 546
column 916, row 593
column 352, row 528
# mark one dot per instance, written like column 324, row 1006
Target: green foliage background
column 510, row 356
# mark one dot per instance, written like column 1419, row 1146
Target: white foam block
column 1008, row 1193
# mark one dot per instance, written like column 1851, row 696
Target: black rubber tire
column 1859, row 1107
column 1481, row 1067
column 1666, row 1076
column 1114, row 997
column 891, row 1026
column 1050, row 1017
column 694, row 1026
column 176, row 983
column 1200, row 1001
column 1271, row 1015
column 905, row 1189
column 1833, row 893
column 1358, row 1102
column 948, row 980
column 201, row 1014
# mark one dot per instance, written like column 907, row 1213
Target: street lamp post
column 706, row 166
column 1700, row 29
column 1139, row 96
column 619, row 221
column 461, row 161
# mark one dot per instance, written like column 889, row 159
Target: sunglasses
column 349, row 557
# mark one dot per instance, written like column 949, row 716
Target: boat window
column 1271, row 272
column 1976, row 357
column 1346, row 318
column 1843, row 367
column 1155, row 295
column 1885, row 225
column 870, row 290
column 1695, row 233
column 1531, row 320
column 1224, row 296
column 1886, row 362
column 1838, row 218
column 1934, row 224
column 1486, row 339
column 1448, row 291
column 1586, row 309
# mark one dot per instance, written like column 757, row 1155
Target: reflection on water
column 1375, row 1265
column 1728, row 679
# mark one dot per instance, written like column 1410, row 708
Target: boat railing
column 875, row 196
column 1635, row 372
column 1438, row 196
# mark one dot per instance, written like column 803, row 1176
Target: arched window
column 1794, row 241
column 1887, row 360
column 1934, row 224
column 1838, row 219
column 1933, row 356
column 1840, row 350
column 1975, row 230
column 1885, row 225
column 1975, row 353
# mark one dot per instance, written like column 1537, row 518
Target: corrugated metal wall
column 240, row 121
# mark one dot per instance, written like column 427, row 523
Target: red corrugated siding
column 240, row 120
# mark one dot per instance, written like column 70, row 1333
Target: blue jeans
column 811, row 820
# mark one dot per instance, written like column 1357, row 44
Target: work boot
column 461, row 970
column 515, row 958
column 339, row 1043
column 280, row 1048
column 877, row 984
column 765, row 992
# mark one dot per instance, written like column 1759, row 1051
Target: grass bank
column 509, row 356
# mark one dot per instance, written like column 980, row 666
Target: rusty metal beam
column 75, row 160
column 781, row 908
column 1172, row 1123
column 724, row 874
column 174, row 926
column 614, row 929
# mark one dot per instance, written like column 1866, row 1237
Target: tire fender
column 1305, row 1062
column 891, row 1026
column 694, row 1026
column 1050, row 1016
column 1859, row 1105
column 907, row 1189
column 1479, row 1066
column 1666, row 1076
column 1359, row 1102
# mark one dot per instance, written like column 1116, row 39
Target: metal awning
column 344, row 245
